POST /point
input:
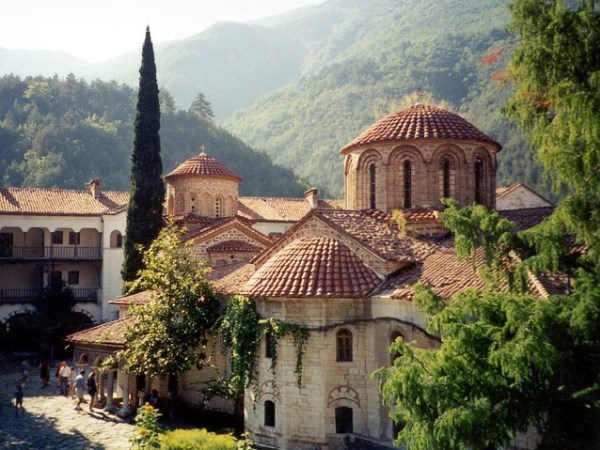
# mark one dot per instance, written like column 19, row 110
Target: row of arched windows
column 447, row 181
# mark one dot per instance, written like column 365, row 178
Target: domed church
column 342, row 269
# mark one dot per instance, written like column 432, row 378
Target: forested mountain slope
column 61, row 133
column 450, row 50
column 306, row 82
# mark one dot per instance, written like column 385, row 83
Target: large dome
column 312, row 267
column 203, row 165
column 419, row 122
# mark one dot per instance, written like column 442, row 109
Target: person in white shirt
column 63, row 379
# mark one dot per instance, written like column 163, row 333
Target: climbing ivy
column 241, row 330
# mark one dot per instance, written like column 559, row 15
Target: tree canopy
column 167, row 336
column 147, row 193
column 508, row 360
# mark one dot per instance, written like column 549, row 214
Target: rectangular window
column 57, row 238
column 73, row 278
column 269, row 413
column 269, row 345
column 74, row 238
column 343, row 420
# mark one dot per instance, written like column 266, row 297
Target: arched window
column 218, row 207
column 446, row 191
column 479, row 184
column 269, row 413
column 344, row 345
column 407, row 187
column 116, row 239
column 372, row 187
column 343, row 420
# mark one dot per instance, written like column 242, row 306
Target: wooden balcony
column 82, row 295
column 48, row 253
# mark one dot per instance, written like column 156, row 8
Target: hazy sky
column 96, row 30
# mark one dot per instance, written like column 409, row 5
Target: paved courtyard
column 50, row 420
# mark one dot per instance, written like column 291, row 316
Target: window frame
column 407, row 183
column 343, row 345
column 73, row 277
column 57, row 237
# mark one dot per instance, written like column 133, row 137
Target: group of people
column 70, row 383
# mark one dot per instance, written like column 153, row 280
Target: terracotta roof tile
column 233, row 246
column 312, row 267
column 373, row 229
column 60, row 202
column 229, row 279
column 526, row 218
column 135, row 299
column 419, row 122
column 441, row 270
column 205, row 166
column 280, row 209
column 110, row 334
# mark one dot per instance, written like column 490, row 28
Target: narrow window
column 269, row 413
column 479, row 195
column 407, row 172
column 446, row 178
column 73, row 277
column 269, row 345
column 343, row 420
column 372, row 187
column 344, row 345
column 218, row 207
column 74, row 238
column 119, row 240
column 57, row 237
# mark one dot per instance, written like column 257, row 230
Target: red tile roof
column 280, row 209
column 312, row 267
column 526, row 218
column 60, row 202
column 419, row 122
column 441, row 270
column 205, row 166
column 135, row 299
column 373, row 229
column 233, row 246
column 110, row 334
column 229, row 278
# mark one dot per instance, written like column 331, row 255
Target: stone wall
column 209, row 197
column 426, row 169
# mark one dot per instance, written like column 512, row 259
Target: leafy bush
column 197, row 439
column 147, row 427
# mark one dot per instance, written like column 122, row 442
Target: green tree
column 508, row 360
column 168, row 336
column 202, row 107
column 147, row 194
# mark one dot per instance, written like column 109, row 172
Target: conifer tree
column 147, row 194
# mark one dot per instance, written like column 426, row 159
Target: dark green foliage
column 147, row 193
column 88, row 133
column 168, row 336
column 510, row 361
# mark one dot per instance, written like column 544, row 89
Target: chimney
column 95, row 188
column 312, row 197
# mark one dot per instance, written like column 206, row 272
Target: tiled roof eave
column 369, row 143
column 204, row 176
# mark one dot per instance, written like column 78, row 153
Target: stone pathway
column 50, row 421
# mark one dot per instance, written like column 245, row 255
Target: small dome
column 312, row 267
column 203, row 165
column 419, row 122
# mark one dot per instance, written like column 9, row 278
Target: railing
column 81, row 295
column 86, row 253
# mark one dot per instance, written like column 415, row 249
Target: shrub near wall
column 198, row 439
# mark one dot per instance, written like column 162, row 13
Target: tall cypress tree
column 144, row 213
